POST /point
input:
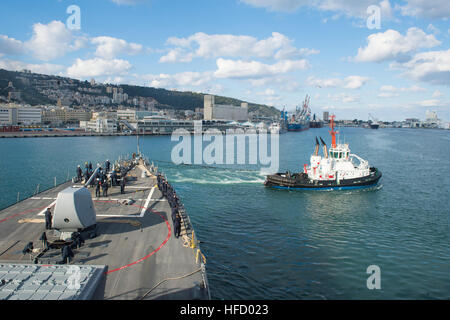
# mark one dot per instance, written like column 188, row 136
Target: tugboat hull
column 300, row 181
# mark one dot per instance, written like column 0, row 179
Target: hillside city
column 32, row 101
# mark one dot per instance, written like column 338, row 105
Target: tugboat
column 337, row 169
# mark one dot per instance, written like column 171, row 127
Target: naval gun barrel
column 93, row 176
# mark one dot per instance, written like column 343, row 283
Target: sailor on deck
column 79, row 173
column 122, row 185
column 97, row 189
column 43, row 238
column 177, row 225
column 66, row 253
column 114, row 178
column 48, row 219
column 86, row 175
column 105, row 188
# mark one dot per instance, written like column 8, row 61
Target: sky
column 353, row 57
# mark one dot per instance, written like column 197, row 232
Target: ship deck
column 135, row 242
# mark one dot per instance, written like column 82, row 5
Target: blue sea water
column 263, row 243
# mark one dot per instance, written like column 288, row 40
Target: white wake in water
column 217, row 176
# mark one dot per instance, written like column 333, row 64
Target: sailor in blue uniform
column 97, row 189
column 48, row 219
column 177, row 226
column 122, row 185
column 79, row 173
column 105, row 188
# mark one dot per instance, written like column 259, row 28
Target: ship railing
column 363, row 164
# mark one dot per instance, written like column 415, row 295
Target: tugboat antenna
column 333, row 132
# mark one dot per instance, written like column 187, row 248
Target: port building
column 214, row 111
column 60, row 115
column 12, row 114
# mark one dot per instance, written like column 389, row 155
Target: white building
column 119, row 97
column 134, row 115
column 19, row 115
column 100, row 125
column 432, row 119
column 214, row 111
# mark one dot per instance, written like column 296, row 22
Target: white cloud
column 183, row 79
column 391, row 45
column 98, row 67
column 202, row 45
column 429, row 103
column 324, row 83
column 436, row 9
column 432, row 67
column 267, row 92
column 127, row 2
column 354, row 8
column 433, row 29
column 355, row 82
column 10, row 46
column 437, row 94
column 278, row 5
column 344, row 97
column 48, row 42
column 114, row 80
column 110, row 48
column 270, row 97
column 350, row 82
column 239, row 69
column 53, row 40
column 389, row 91
column 45, row 68
column 387, row 94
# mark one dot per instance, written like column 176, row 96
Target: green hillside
column 165, row 98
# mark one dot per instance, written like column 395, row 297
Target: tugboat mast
column 333, row 132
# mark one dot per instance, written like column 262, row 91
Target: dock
column 135, row 248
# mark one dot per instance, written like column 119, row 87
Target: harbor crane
column 374, row 124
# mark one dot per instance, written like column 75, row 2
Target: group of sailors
column 66, row 251
column 169, row 192
column 102, row 181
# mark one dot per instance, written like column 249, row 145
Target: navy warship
column 118, row 246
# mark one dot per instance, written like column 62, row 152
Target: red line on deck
column 125, row 266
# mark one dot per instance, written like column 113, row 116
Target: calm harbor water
column 262, row 243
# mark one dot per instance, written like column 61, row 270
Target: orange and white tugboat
column 337, row 169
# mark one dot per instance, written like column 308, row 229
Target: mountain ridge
column 34, row 89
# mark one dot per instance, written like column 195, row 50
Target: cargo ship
column 300, row 119
column 337, row 169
